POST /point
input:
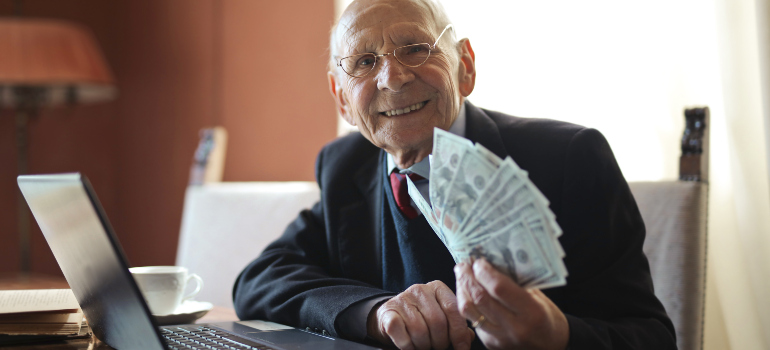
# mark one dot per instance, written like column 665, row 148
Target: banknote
column 516, row 253
column 480, row 205
column 548, row 243
column 487, row 154
column 426, row 211
column 503, row 213
column 465, row 189
column 507, row 178
column 447, row 150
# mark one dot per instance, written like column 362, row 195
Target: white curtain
column 629, row 69
column 740, row 200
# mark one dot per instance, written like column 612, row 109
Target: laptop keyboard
column 205, row 338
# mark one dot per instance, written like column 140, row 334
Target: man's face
column 433, row 90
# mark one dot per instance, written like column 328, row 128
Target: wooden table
column 35, row 281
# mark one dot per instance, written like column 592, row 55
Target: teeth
column 413, row 107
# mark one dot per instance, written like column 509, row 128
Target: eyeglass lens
column 410, row 56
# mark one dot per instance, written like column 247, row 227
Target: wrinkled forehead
column 369, row 25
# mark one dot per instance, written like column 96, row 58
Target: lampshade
column 45, row 63
column 59, row 58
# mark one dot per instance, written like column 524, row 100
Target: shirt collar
column 422, row 168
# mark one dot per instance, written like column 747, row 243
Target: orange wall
column 67, row 139
column 255, row 67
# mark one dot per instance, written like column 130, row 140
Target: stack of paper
column 39, row 312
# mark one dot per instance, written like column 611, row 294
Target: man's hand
column 425, row 316
column 505, row 315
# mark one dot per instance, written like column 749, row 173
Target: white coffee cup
column 163, row 286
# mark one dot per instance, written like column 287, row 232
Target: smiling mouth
column 414, row 107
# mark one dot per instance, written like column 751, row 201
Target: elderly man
column 362, row 263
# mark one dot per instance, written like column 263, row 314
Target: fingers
column 392, row 326
column 417, row 323
column 424, row 317
column 502, row 288
column 474, row 301
column 464, row 277
column 515, row 317
column 402, row 326
column 459, row 334
column 435, row 316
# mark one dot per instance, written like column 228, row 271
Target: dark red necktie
column 401, row 192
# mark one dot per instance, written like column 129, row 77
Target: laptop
column 85, row 246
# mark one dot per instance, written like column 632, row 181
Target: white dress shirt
column 422, row 168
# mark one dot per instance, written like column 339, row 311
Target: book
column 6, row 340
column 39, row 312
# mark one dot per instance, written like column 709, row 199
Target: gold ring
column 478, row 322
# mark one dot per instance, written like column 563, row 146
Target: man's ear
column 335, row 88
column 467, row 68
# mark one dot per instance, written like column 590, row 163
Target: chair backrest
column 209, row 159
column 675, row 214
column 226, row 225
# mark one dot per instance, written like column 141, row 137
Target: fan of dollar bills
column 484, row 206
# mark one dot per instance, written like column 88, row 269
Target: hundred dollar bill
column 465, row 189
column 555, row 280
column 553, row 259
column 447, row 150
column 548, row 243
column 424, row 207
column 555, row 263
column 500, row 207
column 532, row 214
column 517, row 254
column 504, row 179
column 426, row 211
column 550, row 228
column 511, row 209
column 542, row 226
column 487, row 154
column 521, row 205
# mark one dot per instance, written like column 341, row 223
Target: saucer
column 188, row 312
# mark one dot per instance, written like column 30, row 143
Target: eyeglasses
column 414, row 55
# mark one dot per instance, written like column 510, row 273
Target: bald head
column 343, row 30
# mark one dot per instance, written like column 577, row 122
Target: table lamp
column 45, row 63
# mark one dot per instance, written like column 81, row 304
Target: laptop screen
column 84, row 244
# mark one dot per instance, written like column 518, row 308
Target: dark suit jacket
column 330, row 256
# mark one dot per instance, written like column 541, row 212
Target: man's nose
column 392, row 74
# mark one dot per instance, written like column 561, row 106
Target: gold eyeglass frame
column 376, row 56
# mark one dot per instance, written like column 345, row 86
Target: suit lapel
column 361, row 225
column 360, row 229
column 481, row 128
